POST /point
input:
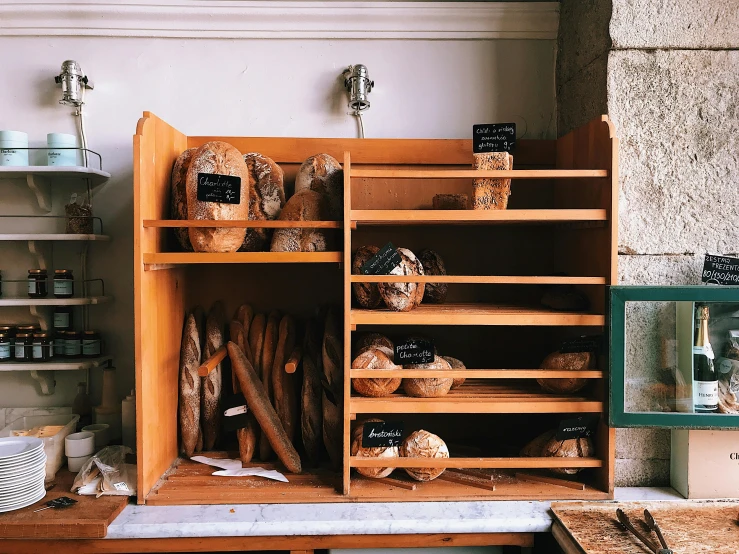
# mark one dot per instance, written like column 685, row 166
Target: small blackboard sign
column 720, row 270
column 225, row 189
column 576, row 428
column 584, row 343
column 414, row 351
column 382, row 433
column 234, row 412
column 383, row 262
column 494, row 137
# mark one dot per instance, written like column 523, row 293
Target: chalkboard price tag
column 720, row 270
column 234, row 413
column 225, row 189
column 585, row 343
column 382, row 433
column 414, row 351
column 576, row 428
column 495, row 137
column 383, row 262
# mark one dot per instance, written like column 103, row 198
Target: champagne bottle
column 705, row 379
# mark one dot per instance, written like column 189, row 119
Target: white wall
column 424, row 89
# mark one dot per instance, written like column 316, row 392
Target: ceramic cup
column 81, row 444
column 75, row 464
column 101, row 432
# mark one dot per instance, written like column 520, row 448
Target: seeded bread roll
column 212, row 387
column 456, row 364
column 422, row 444
column 323, row 174
column 372, row 452
column 222, row 159
column 266, row 199
column 575, row 361
column 306, row 205
column 179, row 196
column 431, row 387
column 189, row 412
column 376, row 340
column 373, row 358
column 491, row 194
column 403, row 297
column 547, row 446
column 367, row 294
column 434, row 293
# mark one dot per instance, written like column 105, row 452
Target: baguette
column 256, row 339
column 211, row 390
column 259, row 405
column 189, row 409
column 311, row 413
column 283, row 383
column 267, row 359
column 333, row 399
column 247, row 437
column 245, row 314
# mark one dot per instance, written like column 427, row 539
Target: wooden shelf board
column 431, row 217
column 477, row 373
column 97, row 176
column 480, row 279
column 477, row 463
column 156, row 260
column 85, row 301
column 478, row 174
column 241, row 223
column 63, row 364
column 474, row 314
column 52, row 237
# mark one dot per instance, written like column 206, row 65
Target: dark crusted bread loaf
column 372, row 452
column 432, row 263
column 333, row 399
column 574, row 361
column 266, row 362
column 367, row 294
column 212, row 388
column 428, row 387
column 403, row 297
column 284, row 385
column 375, row 340
column 179, row 196
column 311, row 413
column 458, row 365
column 422, row 444
column 266, row 199
column 547, row 446
column 323, row 174
column 374, row 358
column 450, row 202
column 189, row 410
column 306, row 205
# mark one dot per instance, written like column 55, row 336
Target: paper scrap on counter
column 232, row 468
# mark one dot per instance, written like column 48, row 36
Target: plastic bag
column 107, row 473
column 79, row 216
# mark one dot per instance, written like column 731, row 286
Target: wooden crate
column 561, row 217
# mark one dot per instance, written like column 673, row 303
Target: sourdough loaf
column 367, row 294
column 189, row 409
column 491, row 194
column 456, row 365
column 422, row 444
column 547, row 446
column 266, row 199
column 373, row 358
column 311, row 413
column 403, row 297
column 378, row 341
column 333, row 394
column 179, row 197
column 372, row 452
column 222, row 159
column 574, row 361
column 212, row 386
column 322, row 173
column 306, row 205
column 432, row 263
column 428, row 387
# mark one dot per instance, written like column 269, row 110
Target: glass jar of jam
column 37, row 283
column 72, row 344
column 23, row 347
column 43, row 346
column 8, row 330
column 6, row 347
column 63, row 283
column 59, row 343
column 28, row 329
column 90, row 344
column 62, row 318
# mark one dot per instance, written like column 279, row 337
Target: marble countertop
column 240, row 520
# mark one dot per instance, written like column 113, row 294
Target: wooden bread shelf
column 479, row 174
column 480, row 279
column 479, row 217
column 477, row 373
column 239, row 223
column 477, row 463
column 168, row 259
column 473, row 314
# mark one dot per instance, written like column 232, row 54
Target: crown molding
column 281, row 19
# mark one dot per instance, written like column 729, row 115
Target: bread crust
column 311, row 413
column 575, row 361
column 428, row 387
column 306, row 205
column 433, row 264
column 375, row 340
column 283, row 383
column 179, row 196
column 491, row 194
column 403, row 297
column 372, row 452
column 333, row 415
column 422, row 444
column 457, row 365
column 266, row 199
column 367, row 294
column 189, row 389
column 374, row 358
column 322, row 173
column 212, row 386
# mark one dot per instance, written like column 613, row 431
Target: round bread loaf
column 376, row 340
column 306, row 205
column 218, row 158
column 431, row 387
column 547, row 446
column 403, row 297
column 456, row 364
column 322, row 173
column 434, row 293
column 422, row 444
column 372, row 452
column 179, row 196
column 574, row 361
column 266, row 199
column 373, row 358
column 367, row 294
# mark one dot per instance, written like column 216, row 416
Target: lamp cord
column 358, row 115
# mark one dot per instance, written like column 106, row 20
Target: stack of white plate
column 22, row 471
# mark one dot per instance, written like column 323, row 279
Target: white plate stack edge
column 22, row 471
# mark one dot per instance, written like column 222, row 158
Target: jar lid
column 14, row 135
column 5, row 328
column 36, row 271
column 61, row 138
column 90, row 333
column 4, row 334
column 41, row 335
column 27, row 327
column 73, row 333
column 22, row 335
column 58, row 271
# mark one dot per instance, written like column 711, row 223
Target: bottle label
column 706, row 350
column 58, row 349
column 91, row 347
column 706, row 395
column 20, row 351
column 63, row 287
column 37, row 352
column 32, row 286
column 72, row 347
column 5, row 351
column 61, row 320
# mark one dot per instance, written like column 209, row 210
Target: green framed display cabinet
column 663, row 373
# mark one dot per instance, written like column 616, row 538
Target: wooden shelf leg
column 40, row 188
column 34, row 249
column 35, row 312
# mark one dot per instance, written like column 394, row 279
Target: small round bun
column 456, row 364
column 367, row 294
column 422, row 444
column 373, row 358
column 434, row 293
column 431, row 387
column 574, row 361
column 377, row 452
column 376, row 340
column 403, row 297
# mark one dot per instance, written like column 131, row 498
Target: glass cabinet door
column 674, row 355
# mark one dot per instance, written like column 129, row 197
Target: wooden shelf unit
column 565, row 189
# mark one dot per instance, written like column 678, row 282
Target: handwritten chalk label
column 494, row 137
column 584, row 343
column 414, row 351
column 382, row 433
column 576, row 428
column 234, row 413
column 383, row 262
column 720, row 270
column 224, row 189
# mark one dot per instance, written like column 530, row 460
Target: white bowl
column 101, row 432
column 75, row 464
column 81, row 444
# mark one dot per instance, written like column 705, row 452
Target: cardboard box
column 705, row 464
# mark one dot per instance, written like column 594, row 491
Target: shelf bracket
column 35, row 312
column 40, row 187
column 45, row 380
column 34, row 249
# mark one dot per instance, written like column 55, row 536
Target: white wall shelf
column 96, row 176
column 82, row 301
column 52, row 237
column 63, row 364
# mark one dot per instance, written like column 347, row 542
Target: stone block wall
column 667, row 73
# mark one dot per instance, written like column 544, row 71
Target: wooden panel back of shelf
column 480, row 279
column 479, row 405
column 480, row 174
column 245, row 223
column 477, row 463
column 476, row 373
column 419, row 217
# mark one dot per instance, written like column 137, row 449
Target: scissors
column 652, row 524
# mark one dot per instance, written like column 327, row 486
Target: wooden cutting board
column 88, row 519
column 689, row 527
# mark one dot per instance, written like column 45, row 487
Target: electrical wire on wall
column 358, row 115
column 359, row 85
